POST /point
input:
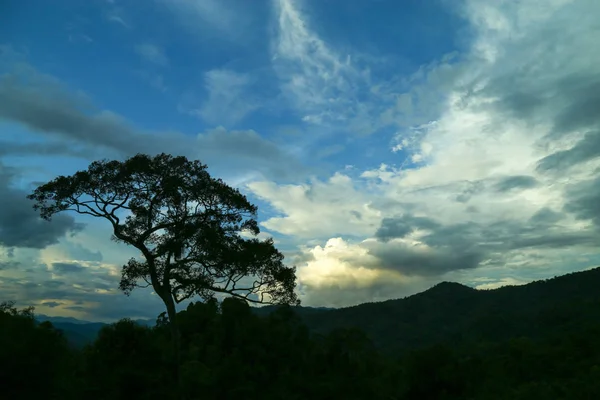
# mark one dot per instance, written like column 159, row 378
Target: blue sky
column 389, row 145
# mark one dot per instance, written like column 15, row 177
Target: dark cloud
column 77, row 308
column 586, row 149
column 247, row 150
column 399, row 227
column 521, row 104
column 506, row 236
column 516, row 182
column 52, row 304
column 20, row 225
column 467, row 245
column 569, row 100
column 67, row 268
column 468, row 189
column 9, row 265
column 570, row 103
column 583, row 200
column 44, row 105
column 55, row 148
column 547, row 79
column 413, row 261
column 546, row 217
column 69, row 128
column 357, row 214
column 581, row 112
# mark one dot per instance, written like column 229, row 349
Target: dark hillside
column 456, row 314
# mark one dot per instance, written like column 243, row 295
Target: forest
column 538, row 340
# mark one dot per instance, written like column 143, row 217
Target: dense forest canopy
column 450, row 342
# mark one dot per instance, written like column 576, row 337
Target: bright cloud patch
column 341, row 274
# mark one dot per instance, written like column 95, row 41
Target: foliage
column 186, row 224
column 230, row 351
column 35, row 360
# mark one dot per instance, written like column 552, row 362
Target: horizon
column 388, row 147
column 184, row 305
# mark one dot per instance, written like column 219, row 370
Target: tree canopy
column 188, row 226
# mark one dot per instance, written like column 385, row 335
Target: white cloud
column 479, row 172
column 320, row 83
column 223, row 17
column 228, row 99
column 320, row 209
column 341, row 274
column 502, row 282
column 152, row 53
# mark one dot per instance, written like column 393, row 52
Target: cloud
column 491, row 171
column 418, row 259
column 44, row 105
column 509, row 281
column 316, row 80
column 399, row 227
column 67, row 268
column 340, row 91
column 516, row 182
column 228, row 100
column 437, row 248
column 9, row 265
column 341, row 274
column 157, row 81
column 318, row 210
column 247, row 150
column 70, row 287
column 214, row 18
column 20, row 225
column 116, row 15
column 152, row 53
column 56, row 115
column 584, row 200
column 52, row 304
column 501, row 178
column 586, row 149
column 81, row 300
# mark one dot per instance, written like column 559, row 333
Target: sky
column 389, row 145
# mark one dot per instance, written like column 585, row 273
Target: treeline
column 230, row 352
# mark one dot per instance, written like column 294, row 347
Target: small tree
column 186, row 224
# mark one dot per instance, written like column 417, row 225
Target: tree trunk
column 175, row 336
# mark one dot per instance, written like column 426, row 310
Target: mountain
column 79, row 332
column 455, row 314
column 69, row 320
column 448, row 313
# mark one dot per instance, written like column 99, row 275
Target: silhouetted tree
column 186, row 224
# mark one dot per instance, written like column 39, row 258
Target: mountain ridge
column 446, row 312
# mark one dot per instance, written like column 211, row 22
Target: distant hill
column 446, row 313
column 456, row 314
column 79, row 332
